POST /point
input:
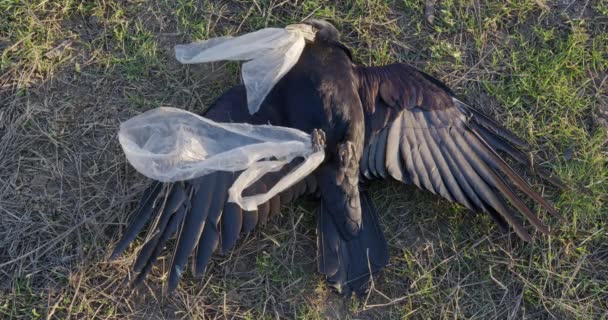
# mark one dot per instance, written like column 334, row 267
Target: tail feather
column 348, row 264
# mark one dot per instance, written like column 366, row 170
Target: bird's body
column 326, row 79
column 379, row 122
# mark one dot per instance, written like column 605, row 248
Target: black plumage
column 392, row 121
column 446, row 146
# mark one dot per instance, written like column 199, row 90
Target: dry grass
column 70, row 71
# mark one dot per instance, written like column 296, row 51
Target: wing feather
column 371, row 159
column 395, row 164
column 416, row 149
column 425, row 136
column 380, row 158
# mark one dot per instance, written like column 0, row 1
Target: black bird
column 380, row 122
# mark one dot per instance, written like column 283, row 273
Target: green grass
column 70, row 71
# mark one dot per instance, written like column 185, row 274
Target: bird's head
column 324, row 30
column 316, row 29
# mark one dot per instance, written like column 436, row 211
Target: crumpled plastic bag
column 169, row 144
column 270, row 52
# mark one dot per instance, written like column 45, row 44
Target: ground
column 71, row 71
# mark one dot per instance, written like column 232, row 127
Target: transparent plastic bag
column 169, row 144
column 270, row 52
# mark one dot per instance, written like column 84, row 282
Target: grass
column 70, row 71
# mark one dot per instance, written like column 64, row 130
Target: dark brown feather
column 442, row 145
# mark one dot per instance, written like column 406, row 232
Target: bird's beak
column 306, row 30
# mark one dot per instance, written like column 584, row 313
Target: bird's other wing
column 418, row 132
column 197, row 211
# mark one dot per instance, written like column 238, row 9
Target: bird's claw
column 318, row 140
column 346, row 152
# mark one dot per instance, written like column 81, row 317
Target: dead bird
column 388, row 122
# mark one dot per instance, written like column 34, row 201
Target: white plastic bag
column 169, row 144
column 271, row 52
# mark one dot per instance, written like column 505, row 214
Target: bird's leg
column 348, row 179
column 346, row 152
column 318, row 140
column 348, row 162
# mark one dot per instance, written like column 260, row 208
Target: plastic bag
column 169, row 144
column 271, row 52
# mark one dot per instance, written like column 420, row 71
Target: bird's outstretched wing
column 418, row 132
column 197, row 211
